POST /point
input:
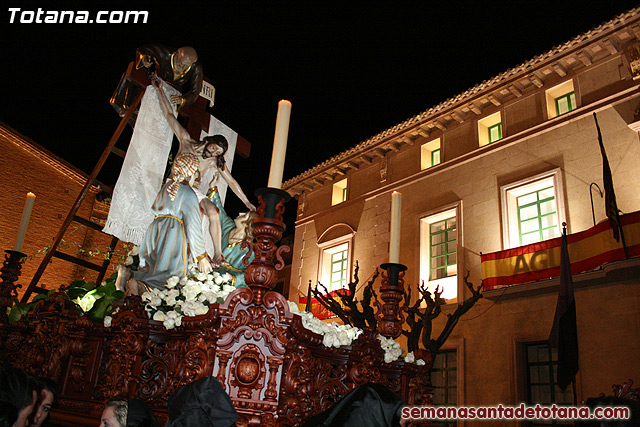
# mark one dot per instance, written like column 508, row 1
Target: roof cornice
column 607, row 39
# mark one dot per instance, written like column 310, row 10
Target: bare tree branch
column 347, row 309
column 420, row 320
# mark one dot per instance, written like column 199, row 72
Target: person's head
column 215, row 146
column 114, row 413
column 184, row 58
column 17, row 396
column 243, row 222
column 46, row 399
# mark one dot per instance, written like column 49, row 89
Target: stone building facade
column 464, row 168
column 27, row 167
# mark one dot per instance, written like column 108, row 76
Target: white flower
column 190, row 292
column 343, row 338
column 410, row 357
column 201, row 309
column 218, row 280
column 159, row 316
column 169, row 323
column 392, row 350
column 107, row 321
column 227, row 277
column 172, row 282
column 86, row 302
column 420, row 362
column 328, row 340
column 201, row 276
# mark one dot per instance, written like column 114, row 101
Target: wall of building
column 490, row 338
column 26, row 167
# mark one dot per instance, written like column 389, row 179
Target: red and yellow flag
column 588, row 249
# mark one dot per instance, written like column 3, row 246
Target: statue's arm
column 167, row 109
column 235, row 187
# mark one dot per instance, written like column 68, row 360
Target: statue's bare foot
column 123, row 276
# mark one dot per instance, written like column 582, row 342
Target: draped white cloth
column 141, row 175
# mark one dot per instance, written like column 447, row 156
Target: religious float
column 278, row 367
column 276, row 371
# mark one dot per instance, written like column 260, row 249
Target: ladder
column 72, row 217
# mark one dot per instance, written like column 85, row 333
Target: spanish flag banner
column 588, row 249
column 317, row 309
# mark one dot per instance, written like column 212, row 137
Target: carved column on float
column 389, row 316
column 223, row 359
column 9, row 274
column 268, row 226
column 271, row 394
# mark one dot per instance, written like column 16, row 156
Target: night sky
column 351, row 69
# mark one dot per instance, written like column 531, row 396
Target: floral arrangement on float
column 185, row 296
column 94, row 301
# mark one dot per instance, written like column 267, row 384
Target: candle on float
column 394, row 239
column 26, row 214
column 279, row 144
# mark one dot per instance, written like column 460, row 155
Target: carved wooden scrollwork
column 124, row 347
column 296, row 391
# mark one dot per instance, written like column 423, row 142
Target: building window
column 335, row 246
column 490, row 129
column 334, row 266
column 438, row 252
column 541, row 367
column 533, row 209
column 444, row 236
column 339, row 192
column 495, row 132
column 537, row 216
column 561, row 99
column 565, row 103
column 444, row 379
column 339, row 267
column 430, row 154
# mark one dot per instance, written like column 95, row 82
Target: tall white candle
column 26, row 214
column 394, row 239
column 279, row 144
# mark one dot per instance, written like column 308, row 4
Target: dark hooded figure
column 140, row 415
column 369, row 405
column 202, row 403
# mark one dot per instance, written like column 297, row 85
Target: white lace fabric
column 142, row 171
